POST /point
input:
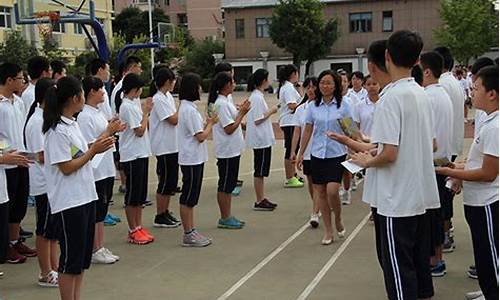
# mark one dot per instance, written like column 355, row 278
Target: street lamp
column 360, row 52
column 264, row 55
column 218, row 57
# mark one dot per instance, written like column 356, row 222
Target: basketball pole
column 150, row 13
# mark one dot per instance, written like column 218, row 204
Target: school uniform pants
column 483, row 225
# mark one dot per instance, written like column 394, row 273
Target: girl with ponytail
column 228, row 144
column 260, row 135
column 70, row 181
column 46, row 238
column 289, row 98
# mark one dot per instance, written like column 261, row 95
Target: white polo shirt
column 28, row 96
column 93, row 123
column 262, row 135
column 163, row 134
column 300, row 120
column 191, row 151
column 227, row 145
column 105, row 107
column 482, row 193
column 12, row 124
column 370, row 182
column 363, row 114
column 287, row 95
column 35, row 144
column 442, row 111
column 115, row 90
column 479, row 118
column 78, row 188
column 361, row 95
column 4, row 197
column 405, row 187
column 132, row 146
column 456, row 93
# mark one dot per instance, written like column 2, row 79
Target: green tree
column 132, row 22
column 299, row 27
column 51, row 50
column 470, row 27
column 199, row 57
column 16, row 49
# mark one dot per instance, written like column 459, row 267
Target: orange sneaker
column 146, row 234
column 136, row 237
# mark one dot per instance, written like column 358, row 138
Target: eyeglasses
column 326, row 83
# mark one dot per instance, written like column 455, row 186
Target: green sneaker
column 293, row 182
column 238, row 220
column 229, row 223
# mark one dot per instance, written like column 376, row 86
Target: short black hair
column 481, row 63
column 90, row 83
column 132, row 60
column 417, row 74
column 489, row 77
column 130, row 82
column 8, row 70
column 162, row 76
column 95, row 65
column 57, row 67
column 432, row 61
column 190, row 87
column 358, row 75
column 223, row 67
column 37, row 65
column 404, row 47
column 376, row 54
column 447, row 57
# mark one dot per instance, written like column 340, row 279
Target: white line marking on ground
column 307, row 291
column 264, row 262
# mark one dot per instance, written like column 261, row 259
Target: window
column 360, row 22
column 5, row 17
column 262, row 27
column 182, row 20
column 241, row 74
column 167, row 2
column 341, row 66
column 387, row 21
column 59, row 27
column 240, row 28
column 78, row 28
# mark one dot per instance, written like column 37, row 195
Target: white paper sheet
column 351, row 167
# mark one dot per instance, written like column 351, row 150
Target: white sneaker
column 111, row 254
column 346, row 198
column 51, row 280
column 477, row 295
column 341, row 192
column 314, row 220
column 354, row 185
column 100, row 257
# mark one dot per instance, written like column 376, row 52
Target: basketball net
column 45, row 29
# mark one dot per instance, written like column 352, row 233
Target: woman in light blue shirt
column 326, row 154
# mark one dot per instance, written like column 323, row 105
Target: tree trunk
column 308, row 67
column 296, row 61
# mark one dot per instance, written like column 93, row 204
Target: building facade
column 69, row 37
column 248, row 45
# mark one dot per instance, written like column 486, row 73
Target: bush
column 199, row 58
column 16, row 49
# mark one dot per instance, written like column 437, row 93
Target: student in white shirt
column 357, row 79
column 163, row 134
column 38, row 67
column 70, row 182
column 12, row 118
column 363, row 112
column 480, row 115
column 58, row 69
column 94, row 125
column 401, row 194
column 442, row 113
column 260, row 135
column 454, row 90
column 46, row 226
column 310, row 85
column 100, row 69
column 480, row 183
column 193, row 153
column 135, row 150
column 326, row 154
column 228, row 144
column 7, row 158
column 289, row 98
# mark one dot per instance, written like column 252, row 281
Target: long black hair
column 161, row 76
column 284, row 74
column 41, row 87
column 91, row 83
column 337, row 93
column 219, row 82
column 305, row 84
column 256, row 79
column 56, row 98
